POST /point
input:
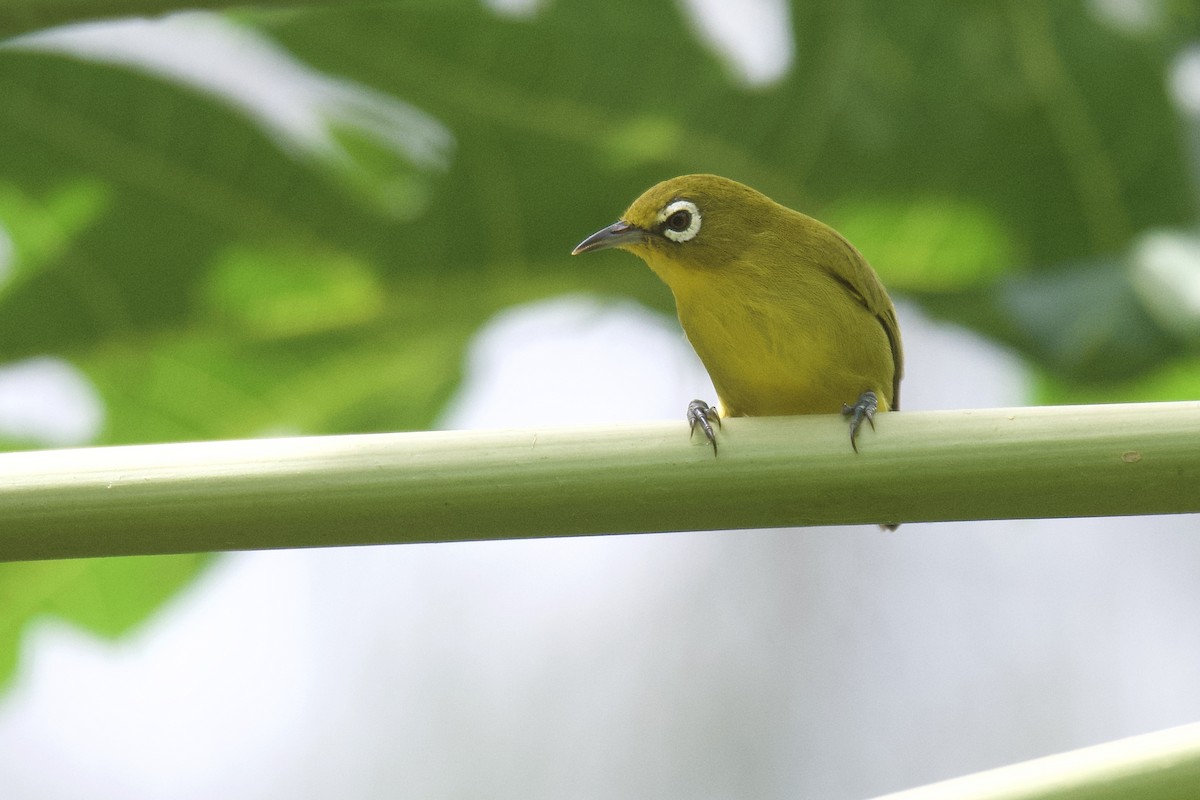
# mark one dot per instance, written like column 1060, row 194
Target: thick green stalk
column 448, row 486
column 1164, row 765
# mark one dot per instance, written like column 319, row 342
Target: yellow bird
column 787, row 316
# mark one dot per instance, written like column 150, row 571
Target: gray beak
column 615, row 235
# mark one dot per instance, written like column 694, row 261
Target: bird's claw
column 702, row 414
column 865, row 408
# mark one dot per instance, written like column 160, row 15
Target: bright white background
column 832, row 663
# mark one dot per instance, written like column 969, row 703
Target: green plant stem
column 1164, row 765
column 1063, row 461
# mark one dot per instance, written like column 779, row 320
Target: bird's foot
column 865, row 408
column 701, row 414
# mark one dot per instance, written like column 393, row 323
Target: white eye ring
column 686, row 223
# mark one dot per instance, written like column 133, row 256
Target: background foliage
column 998, row 163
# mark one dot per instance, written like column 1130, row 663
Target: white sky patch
column 297, row 105
column 48, row 401
column 577, row 360
column 1184, row 80
column 947, row 367
column 1166, row 276
column 514, row 8
column 753, row 36
column 220, row 649
column 1129, row 16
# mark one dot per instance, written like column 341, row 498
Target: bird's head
column 690, row 222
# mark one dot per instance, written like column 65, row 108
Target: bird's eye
column 680, row 220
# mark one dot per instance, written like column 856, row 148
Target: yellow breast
column 793, row 341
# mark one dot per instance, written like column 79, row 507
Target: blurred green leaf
column 1177, row 379
column 107, row 596
column 1165, row 272
column 1083, row 323
column 927, row 243
column 42, row 229
column 275, row 293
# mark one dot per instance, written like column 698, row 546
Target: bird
column 786, row 315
